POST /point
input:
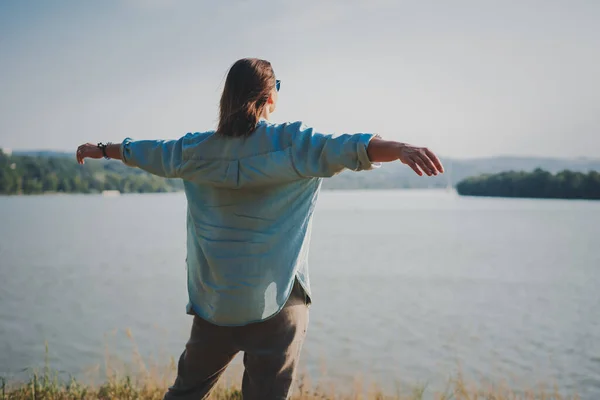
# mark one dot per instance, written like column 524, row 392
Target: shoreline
column 452, row 191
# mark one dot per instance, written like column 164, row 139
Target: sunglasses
column 277, row 84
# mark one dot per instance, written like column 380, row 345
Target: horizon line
column 463, row 158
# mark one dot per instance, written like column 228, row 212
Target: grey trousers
column 271, row 352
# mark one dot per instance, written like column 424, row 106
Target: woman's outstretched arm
column 158, row 157
column 316, row 154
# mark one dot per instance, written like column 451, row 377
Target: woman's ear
column 272, row 100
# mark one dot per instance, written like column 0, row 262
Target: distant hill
column 396, row 175
column 43, row 153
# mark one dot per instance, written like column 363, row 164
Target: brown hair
column 247, row 89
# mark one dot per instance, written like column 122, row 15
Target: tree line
column 36, row 174
column 537, row 184
column 25, row 174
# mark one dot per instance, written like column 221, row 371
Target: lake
column 409, row 287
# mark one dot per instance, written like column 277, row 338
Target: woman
column 251, row 187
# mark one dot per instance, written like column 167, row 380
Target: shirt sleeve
column 158, row 157
column 324, row 155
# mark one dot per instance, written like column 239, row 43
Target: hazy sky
column 467, row 78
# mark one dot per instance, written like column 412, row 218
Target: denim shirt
column 250, row 208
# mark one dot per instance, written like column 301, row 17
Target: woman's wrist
column 380, row 150
column 113, row 150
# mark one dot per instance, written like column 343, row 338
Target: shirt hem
column 287, row 298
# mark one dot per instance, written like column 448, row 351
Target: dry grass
column 44, row 387
column 146, row 381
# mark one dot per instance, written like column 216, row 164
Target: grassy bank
column 48, row 386
column 143, row 379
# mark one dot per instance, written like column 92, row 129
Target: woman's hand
column 88, row 150
column 420, row 159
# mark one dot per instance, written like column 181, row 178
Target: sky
column 465, row 78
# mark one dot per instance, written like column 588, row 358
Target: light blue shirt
column 250, row 209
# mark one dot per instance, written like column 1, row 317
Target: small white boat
column 111, row 193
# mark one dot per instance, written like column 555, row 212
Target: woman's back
column 250, row 207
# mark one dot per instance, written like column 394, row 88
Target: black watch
column 103, row 147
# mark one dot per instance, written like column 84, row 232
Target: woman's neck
column 265, row 114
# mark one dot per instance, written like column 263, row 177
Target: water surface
column 409, row 286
